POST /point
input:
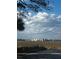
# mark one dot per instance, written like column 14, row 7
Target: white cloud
column 35, row 23
column 59, row 18
column 40, row 17
column 29, row 13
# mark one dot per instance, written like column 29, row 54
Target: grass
column 46, row 44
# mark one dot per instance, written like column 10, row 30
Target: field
column 47, row 44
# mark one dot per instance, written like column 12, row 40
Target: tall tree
column 24, row 6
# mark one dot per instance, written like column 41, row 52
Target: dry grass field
column 46, row 44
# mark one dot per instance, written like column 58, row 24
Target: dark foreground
column 39, row 56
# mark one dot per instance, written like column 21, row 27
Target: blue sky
column 45, row 24
column 57, row 8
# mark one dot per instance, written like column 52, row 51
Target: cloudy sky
column 45, row 24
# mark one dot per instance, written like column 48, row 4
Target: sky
column 44, row 24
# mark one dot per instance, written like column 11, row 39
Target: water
column 39, row 56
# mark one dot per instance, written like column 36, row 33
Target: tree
column 20, row 24
column 34, row 5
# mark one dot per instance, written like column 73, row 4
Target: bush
column 30, row 49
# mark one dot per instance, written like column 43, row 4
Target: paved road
column 39, row 56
